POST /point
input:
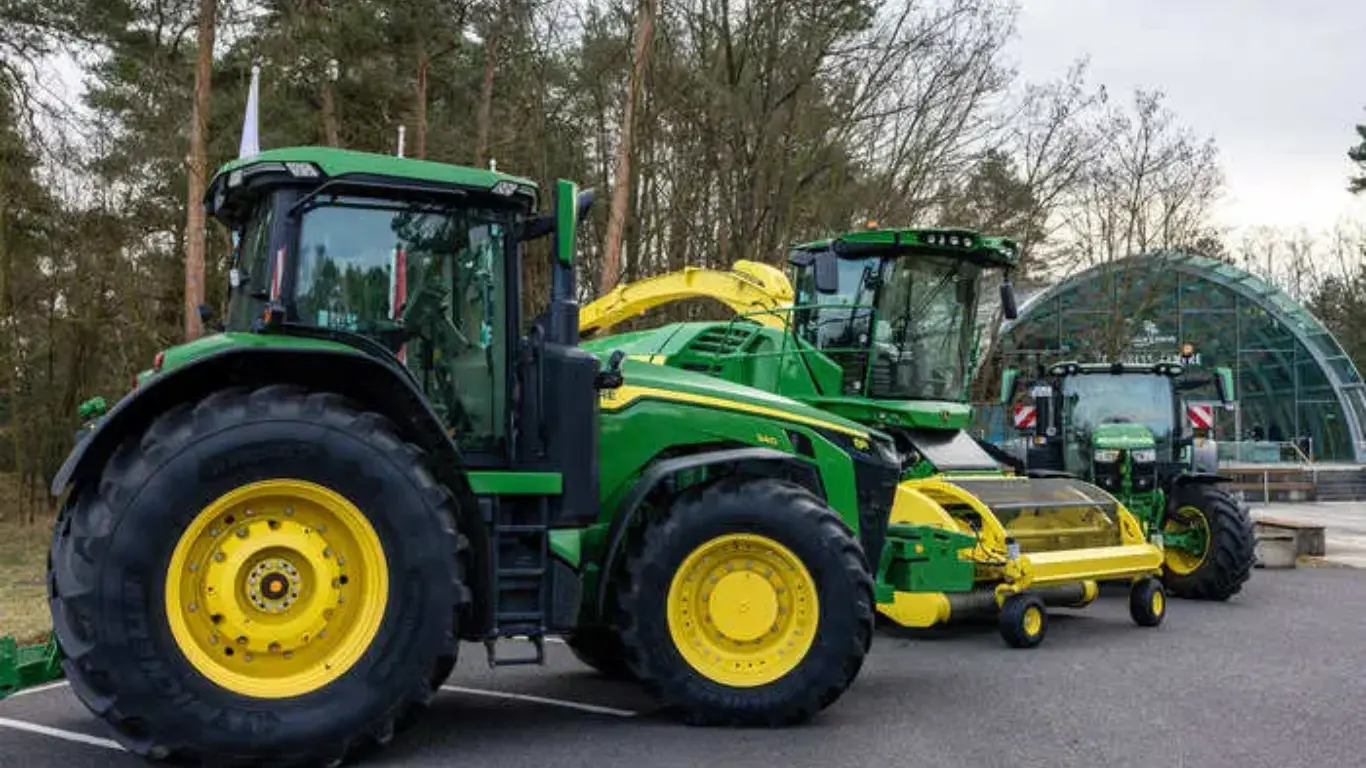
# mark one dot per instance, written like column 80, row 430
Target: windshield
column 1089, row 400
column 428, row 282
column 914, row 313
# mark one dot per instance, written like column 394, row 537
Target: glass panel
column 912, row 313
column 247, row 300
column 1090, row 400
column 1200, row 294
column 1260, row 330
column 429, row 283
column 1346, row 372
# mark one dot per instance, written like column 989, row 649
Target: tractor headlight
column 1144, row 455
column 1107, row 455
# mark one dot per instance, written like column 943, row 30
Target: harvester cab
column 1130, row 429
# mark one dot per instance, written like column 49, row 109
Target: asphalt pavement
column 1271, row 678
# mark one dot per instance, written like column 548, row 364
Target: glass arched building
column 1294, row 381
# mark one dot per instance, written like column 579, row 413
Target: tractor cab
column 1125, row 426
column 896, row 309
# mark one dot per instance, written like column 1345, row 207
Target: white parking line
column 594, row 708
column 57, row 733
column 37, row 689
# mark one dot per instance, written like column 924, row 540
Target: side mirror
column 1223, row 383
column 1010, row 381
column 827, row 273
column 611, row 378
column 1012, row 311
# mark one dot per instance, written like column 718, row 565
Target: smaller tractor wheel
column 747, row 602
column 1023, row 621
column 1223, row 550
column 600, row 648
column 1147, row 602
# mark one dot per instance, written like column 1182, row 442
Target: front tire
column 335, row 546
column 1226, row 563
column 1023, row 622
column 767, row 605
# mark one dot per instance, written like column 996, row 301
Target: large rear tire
column 767, row 605
column 1220, row 571
column 266, row 574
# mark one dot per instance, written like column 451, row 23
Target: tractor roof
column 1000, row 251
column 315, row 165
column 1073, row 368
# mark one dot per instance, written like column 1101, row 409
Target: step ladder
column 519, row 538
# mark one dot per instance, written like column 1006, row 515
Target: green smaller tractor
column 1126, row 428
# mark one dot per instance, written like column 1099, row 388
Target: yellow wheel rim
column 743, row 610
column 1032, row 621
column 1158, row 603
column 1180, row 561
column 276, row 589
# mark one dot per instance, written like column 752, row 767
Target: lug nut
column 289, row 511
column 219, row 557
column 274, row 647
column 242, row 640
column 241, row 533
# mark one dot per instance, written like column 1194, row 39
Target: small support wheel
column 1023, row 621
column 1147, row 602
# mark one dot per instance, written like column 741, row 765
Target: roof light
column 159, row 361
column 302, row 170
column 505, row 188
column 235, row 178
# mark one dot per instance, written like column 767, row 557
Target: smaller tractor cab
column 1128, row 429
column 1124, row 425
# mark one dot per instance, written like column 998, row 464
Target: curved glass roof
column 1294, row 379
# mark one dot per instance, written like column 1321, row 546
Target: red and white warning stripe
column 1201, row 416
column 1026, row 416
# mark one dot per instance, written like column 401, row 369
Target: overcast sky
column 1278, row 84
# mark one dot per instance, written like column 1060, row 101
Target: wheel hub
column 743, row 606
column 258, row 588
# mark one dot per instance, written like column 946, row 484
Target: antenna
column 251, row 137
column 401, row 130
column 493, row 164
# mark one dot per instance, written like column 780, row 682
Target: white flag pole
column 251, row 137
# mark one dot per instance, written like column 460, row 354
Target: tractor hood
column 641, row 375
column 1125, row 437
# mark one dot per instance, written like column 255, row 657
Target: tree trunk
column 485, row 115
column 198, row 162
column 621, row 174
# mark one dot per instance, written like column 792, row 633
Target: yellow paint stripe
column 615, row 400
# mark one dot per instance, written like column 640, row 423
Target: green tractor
column 273, row 547
column 879, row 326
column 1127, row 429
